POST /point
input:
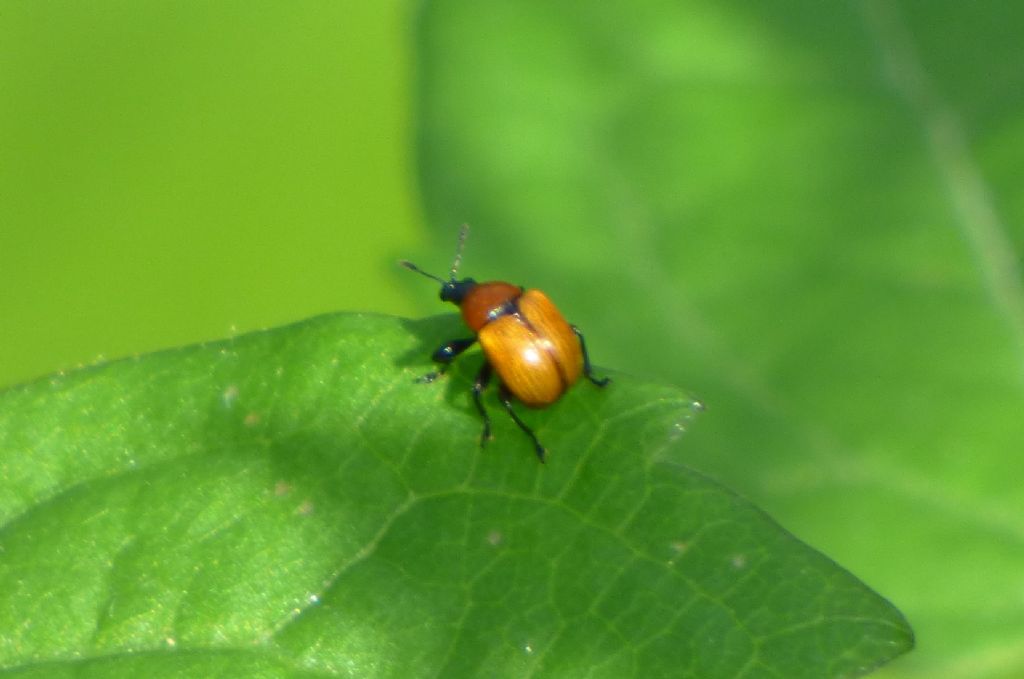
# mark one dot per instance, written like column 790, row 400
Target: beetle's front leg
column 445, row 354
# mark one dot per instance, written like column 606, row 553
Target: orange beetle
column 525, row 339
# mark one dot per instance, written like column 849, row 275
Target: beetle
column 536, row 353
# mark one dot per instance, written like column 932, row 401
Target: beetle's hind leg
column 588, row 370
column 483, row 378
column 444, row 355
column 506, row 400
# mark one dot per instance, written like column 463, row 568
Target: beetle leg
column 483, row 378
column 445, row 354
column 506, row 399
column 588, row 371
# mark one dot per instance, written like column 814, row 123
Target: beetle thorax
column 487, row 300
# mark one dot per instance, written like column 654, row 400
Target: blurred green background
column 173, row 172
column 809, row 214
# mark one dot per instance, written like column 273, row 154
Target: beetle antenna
column 412, row 267
column 463, row 232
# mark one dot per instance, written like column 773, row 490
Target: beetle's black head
column 455, row 291
column 452, row 290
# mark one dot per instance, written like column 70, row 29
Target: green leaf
column 293, row 503
column 809, row 213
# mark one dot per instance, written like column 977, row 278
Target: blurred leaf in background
column 808, row 213
column 174, row 171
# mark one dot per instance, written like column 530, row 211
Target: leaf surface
column 293, row 503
